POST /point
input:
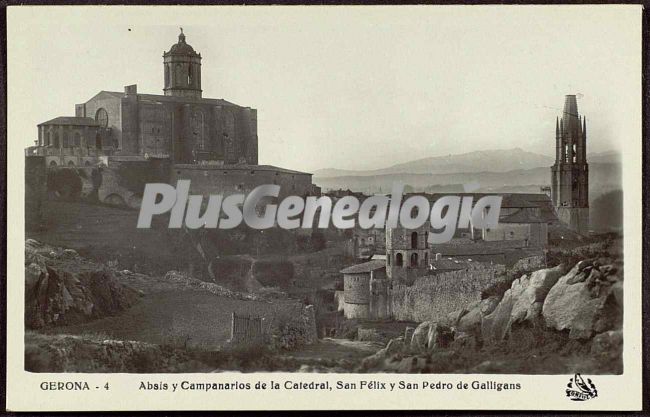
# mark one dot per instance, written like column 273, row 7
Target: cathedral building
column 570, row 173
column 213, row 142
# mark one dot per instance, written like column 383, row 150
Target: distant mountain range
column 495, row 161
column 507, row 171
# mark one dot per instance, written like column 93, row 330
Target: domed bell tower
column 182, row 70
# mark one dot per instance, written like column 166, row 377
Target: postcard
column 319, row 208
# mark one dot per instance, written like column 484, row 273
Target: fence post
column 232, row 327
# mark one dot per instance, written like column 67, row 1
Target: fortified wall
column 433, row 297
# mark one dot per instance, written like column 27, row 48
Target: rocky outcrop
column 63, row 353
column 522, row 302
column 63, row 288
column 578, row 310
column 586, row 301
column 429, row 336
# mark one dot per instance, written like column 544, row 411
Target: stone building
column 570, row 173
column 407, row 252
column 524, row 225
column 365, row 291
column 213, row 142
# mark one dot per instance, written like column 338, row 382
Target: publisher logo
column 579, row 390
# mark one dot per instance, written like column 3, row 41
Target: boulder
column 523, row 301
column 439, row 337
column 420, row 337
column 395, row 346
column 68, row 289
column 530, row 292
column 489, row 304
column 495, row 326
column 408, row 334
column 471, row 322
column 454, row 317
column 583, row 306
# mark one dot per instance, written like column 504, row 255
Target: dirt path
column 337, row 349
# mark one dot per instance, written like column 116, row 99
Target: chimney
column 131, row 89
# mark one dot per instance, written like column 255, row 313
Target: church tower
column 182, row 70
column 570, row 173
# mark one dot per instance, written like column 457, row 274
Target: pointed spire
column 557, row 126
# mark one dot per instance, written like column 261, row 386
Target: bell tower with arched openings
column 407, row 252
column 182, row 70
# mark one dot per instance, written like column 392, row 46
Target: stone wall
column 433, row 297
column 120, row 183
column 35, row 180
column 241, row 179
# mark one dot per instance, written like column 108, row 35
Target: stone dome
column 181, row 48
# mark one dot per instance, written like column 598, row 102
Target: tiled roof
column 365, row 267
column 160, row 97
column 522, row 216
column 72, row 121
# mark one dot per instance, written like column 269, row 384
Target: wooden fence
column 246, row 329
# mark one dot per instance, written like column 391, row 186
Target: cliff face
column 62, row 288
column 555, row 312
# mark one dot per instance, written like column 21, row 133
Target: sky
column 349, row 87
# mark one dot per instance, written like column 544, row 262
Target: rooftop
column 365, row 267
column 71, row 121
column 522, row 216
column 163, row 98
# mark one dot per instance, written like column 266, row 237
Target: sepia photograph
column 328, row 190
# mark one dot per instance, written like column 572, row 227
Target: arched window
column 399, row 260
column 70, row 163
column 101, row 117
column 414, row 260
column 66, row 139
column 77, row 139
column 414, row 240
column 48, row 137
column 56, row 139
column 167, row 76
